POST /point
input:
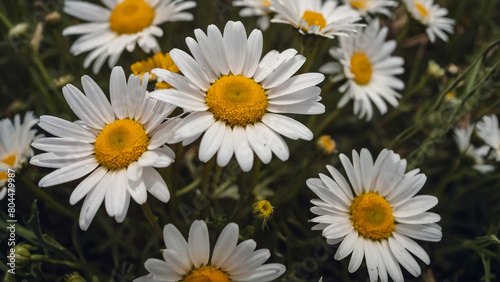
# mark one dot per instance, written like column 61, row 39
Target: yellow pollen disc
column 371, row 216
column 263, row 208
column 236, row 100
column 266, row 3
column 121, row 143
column 361, row 68
column 421, row 10
column 10, row 161
column 131, row 16
column 360, row 5
column 206, row 274
column 326, row 143
column 313, row 18
column 159, row 60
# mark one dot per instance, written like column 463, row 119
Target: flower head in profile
column 373, row 7
column 120, row 25
column 15, row 140
column 117, row 145
column 462, row 138
column 377, row 215
column 488, row 130
column 159, row 60
column 237, row 99
column 432, row 16
column 260, row 8
column 327, row 19
column 190, row 260
column 365, row 61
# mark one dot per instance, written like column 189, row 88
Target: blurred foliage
column 31, row 78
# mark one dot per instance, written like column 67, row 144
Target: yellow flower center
column 121, row 143
column 421, row 9
column 236, row 100
column 360, row 5
column 263, row 208
column 10, row 161
column 206, row 274
column 326, row 143
column 361, row 68
column 313, row 18
column 131, row 16
column 266, row 3
column 159, row 60
column 371, row 215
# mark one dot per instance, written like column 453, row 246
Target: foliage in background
column 35, row 63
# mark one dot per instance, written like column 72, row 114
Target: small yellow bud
column 263, row 210
column 327, row 144
column 434, row 70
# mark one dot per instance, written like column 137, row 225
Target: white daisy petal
column 198, row 243
column 225, row 244
column 211, row 141
column 156, row 185
column 69, row 173
column 259, row 143
column 235, row 45
column 226, row 149
column 242, row 150
column 63, row 128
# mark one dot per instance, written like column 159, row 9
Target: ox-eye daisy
column 236, row 98
column 377, row 215
column 365, row 7
column 432, row 16
column 15, row 140
column 326, row 19
column 190, row 261
column 259, row 8
column 462, row 138
column 120, row 25
column 487, row 129
column 366, row 62
column 118, row 143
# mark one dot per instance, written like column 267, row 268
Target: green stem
column 47, row 199
column 44, row 258
column 152, row 218
column 5, row 21
column 327, row 121
column 189, row 187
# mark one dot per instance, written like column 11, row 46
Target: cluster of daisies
column 485, row 155
column 235, row 100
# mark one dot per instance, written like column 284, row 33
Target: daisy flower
column 259, row 8
column 189, row 261
column 326, row 19
column 365, row 7
column 120, row 25
column 15, row 140
column 462, row 138
column 237, row 99
column 117, row 143
column 487, row 129
column 432, row 16
column 377, row 215
column 364, row 59
column 159, row 60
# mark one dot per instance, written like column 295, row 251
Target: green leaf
column 43, row 240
